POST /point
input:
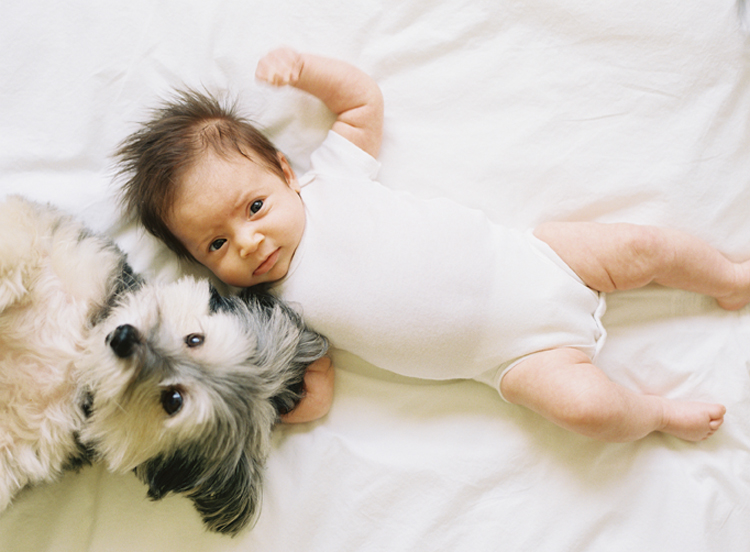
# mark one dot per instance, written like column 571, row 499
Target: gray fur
column 173, row 381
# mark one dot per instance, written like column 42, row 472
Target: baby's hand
column 318, row 393
column 280, row 67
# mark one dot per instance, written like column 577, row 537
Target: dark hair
column 153, row 159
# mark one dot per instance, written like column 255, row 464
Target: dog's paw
column 21, row 224
column 12, row 289
column 14, row 273
column 19, row 234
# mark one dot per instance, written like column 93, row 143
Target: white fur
column 43, row 331
column 64, row 296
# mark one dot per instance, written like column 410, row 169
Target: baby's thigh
column 546, row 376
column 607, row 257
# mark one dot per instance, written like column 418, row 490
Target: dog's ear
column 217, row 302
column 229, row 504
column 227, row 496
column 311, row 346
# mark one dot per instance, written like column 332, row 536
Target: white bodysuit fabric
column 427, row 288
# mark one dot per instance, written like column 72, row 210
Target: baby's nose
column 249, row 243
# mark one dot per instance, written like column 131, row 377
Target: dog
column 172, row 381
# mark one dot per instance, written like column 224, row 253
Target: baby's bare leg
column 610, row 257
column 566, row 388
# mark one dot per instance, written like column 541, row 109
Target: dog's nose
column 123, row 340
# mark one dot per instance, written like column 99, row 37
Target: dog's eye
column 171, row 401
column 194, row 340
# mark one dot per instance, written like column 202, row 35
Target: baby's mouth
column 268, row 263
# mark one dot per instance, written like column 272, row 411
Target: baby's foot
column 692, row 421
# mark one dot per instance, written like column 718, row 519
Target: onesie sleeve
column 337, row 155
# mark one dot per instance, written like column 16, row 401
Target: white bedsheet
column 532, row 110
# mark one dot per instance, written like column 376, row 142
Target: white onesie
column 427, row 288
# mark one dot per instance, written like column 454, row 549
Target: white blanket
column 532, row 110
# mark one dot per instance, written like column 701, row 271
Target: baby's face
column 239, row 219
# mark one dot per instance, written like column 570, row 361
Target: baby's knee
column 646, row 244
column 645, row 254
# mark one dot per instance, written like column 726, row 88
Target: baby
column 429, row 289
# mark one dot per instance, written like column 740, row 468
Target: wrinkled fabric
column 529, row 110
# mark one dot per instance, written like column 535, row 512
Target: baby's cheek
column 235, row 276
column 220, row 272
column 229, row 278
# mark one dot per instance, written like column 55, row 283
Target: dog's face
column 187, row 386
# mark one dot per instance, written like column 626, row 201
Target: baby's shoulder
column 338, row 156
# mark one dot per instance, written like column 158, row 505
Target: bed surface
column 530, row 110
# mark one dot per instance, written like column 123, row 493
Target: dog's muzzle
column 123, row 340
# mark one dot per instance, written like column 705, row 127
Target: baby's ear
column 289, row 176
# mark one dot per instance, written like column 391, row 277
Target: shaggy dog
column 173, row 381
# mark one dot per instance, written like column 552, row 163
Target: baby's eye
column 256, row 206
column 216, row 244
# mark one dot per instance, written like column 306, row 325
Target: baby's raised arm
column 352, row 95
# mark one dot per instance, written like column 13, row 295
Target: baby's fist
column 280, row 67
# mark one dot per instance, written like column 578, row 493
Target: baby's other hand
column 280, row 67
column 318, row 393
